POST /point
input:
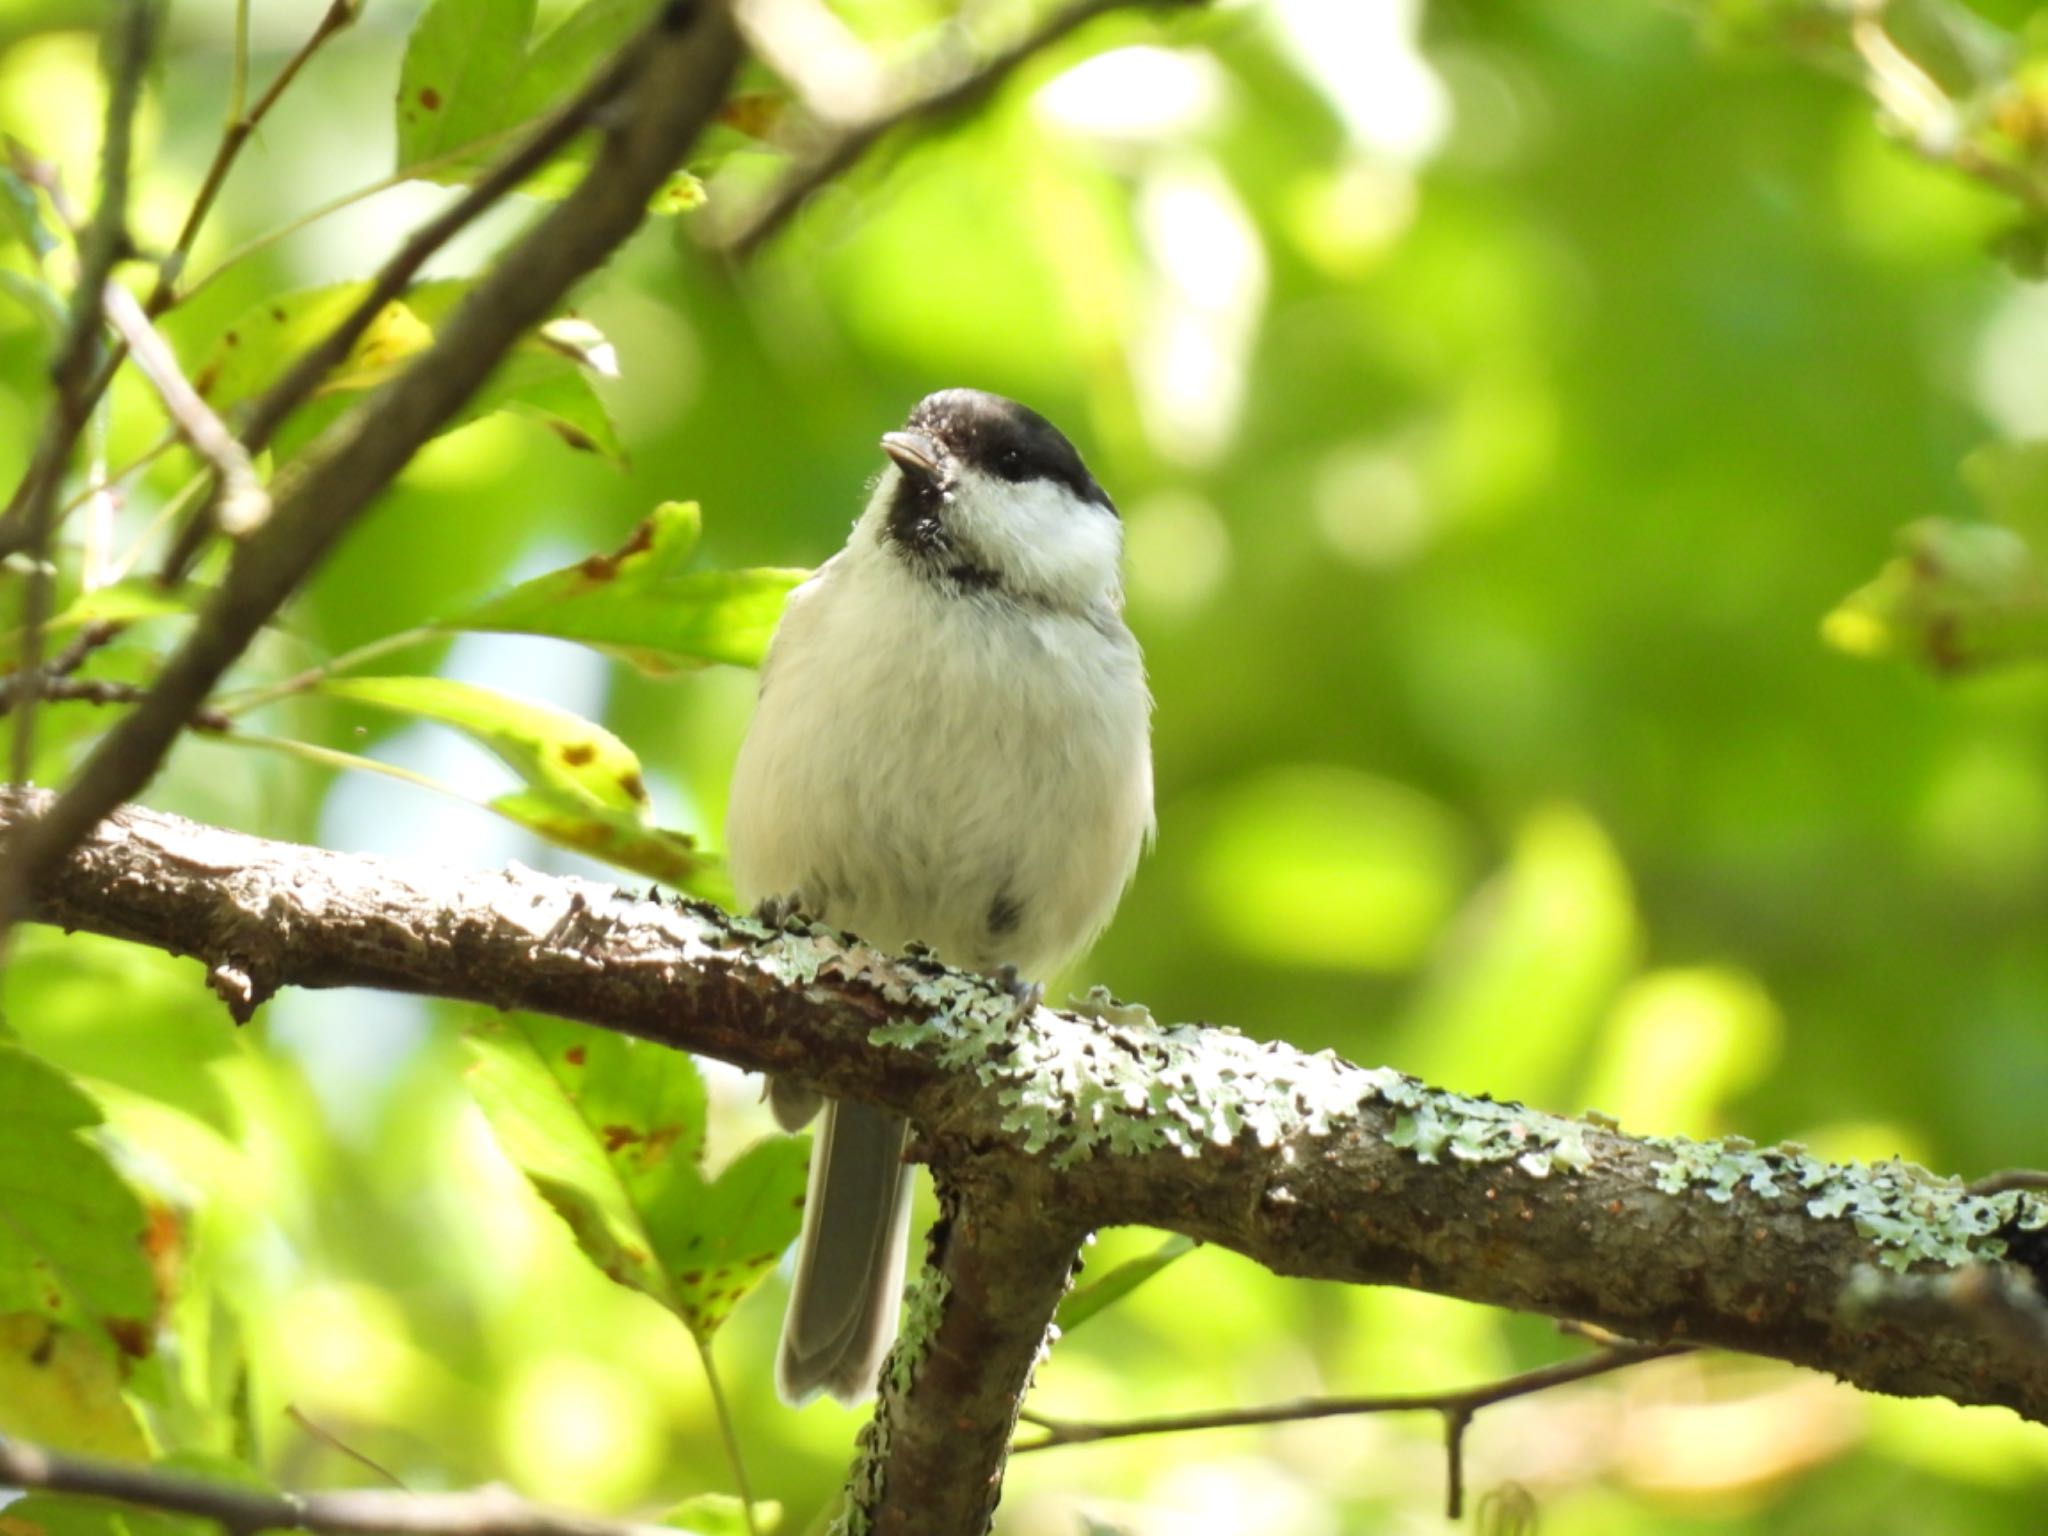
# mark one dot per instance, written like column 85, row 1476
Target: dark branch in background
column 356, row 1512
column 1045, row 1127
column 945, row 80
column 1458, row 1410
column 679, row 73
column 26, row 524
column 306, row 375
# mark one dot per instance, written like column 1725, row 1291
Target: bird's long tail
column 849, row 1260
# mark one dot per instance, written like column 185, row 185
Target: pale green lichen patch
column 923, row 1306
column 1908, row 1214
column 1119, row 1083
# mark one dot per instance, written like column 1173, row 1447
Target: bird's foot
column 1026, row 994
column 784, row 911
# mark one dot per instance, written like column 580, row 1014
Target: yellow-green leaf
column 638, row 603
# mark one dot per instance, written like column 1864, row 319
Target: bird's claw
column 782, row 911
column 1027, row 994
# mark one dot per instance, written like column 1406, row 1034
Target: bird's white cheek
column 1044, row 534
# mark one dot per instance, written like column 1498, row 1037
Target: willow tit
column 952, row 745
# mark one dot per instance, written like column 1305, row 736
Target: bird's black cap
column 998, row 437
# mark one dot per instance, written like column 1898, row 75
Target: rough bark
column 1045, row 1127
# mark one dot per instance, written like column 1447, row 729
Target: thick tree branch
column 1049, row 1126
column 685, row 64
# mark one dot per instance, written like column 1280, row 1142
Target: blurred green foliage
column 1502, row 402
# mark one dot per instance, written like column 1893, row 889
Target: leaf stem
column 727, row 1429
column 254, row 698
column 416, row 172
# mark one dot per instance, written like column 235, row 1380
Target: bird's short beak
column 917, row 454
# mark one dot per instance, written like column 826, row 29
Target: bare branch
column 1458, row 1409
column 337, row 17
column 357, row 1512
column 243, row 502
column 943, row 81
column 679, row 72
column 1046, row 1126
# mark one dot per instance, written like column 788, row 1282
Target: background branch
column 27, row 522
column 686, row 63
column 1458, row 1410
column 1308, row 1165
column 356, row 1512
column 944, row 80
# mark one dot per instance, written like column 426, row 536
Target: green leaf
column 1085, row 1301
column 470, row 83
column 1957, row 596
column 720, row 1239
column 546, row 376
column 584, row 788
column 586, row 1116
column 62, row 1388
column 610, row 1132
column 461, row 75
column 71, row 1233
column 638, row 603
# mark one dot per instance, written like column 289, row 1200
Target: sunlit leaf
column 71, row 1232
column 459, row 108
column 462, row 73
column 638, row 603
column 1956, row 596
column 583, row 1114
column 1084, row 1301
column 720, row 1239
column 544, row 376
column 610, row 1131
column 584, row 787
column 62, row 1388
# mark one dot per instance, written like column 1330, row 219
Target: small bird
column 952, row 745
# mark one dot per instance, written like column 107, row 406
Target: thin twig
column 1458, row 1409
column 341, row 1447
column 83, row 644
column 243, row 503
column 101, row 246
column 100, row 690
column 355, row 1512
column 240, row 128
column 684, row 62
column 417, row 171
column 937, row 84
column 270, row 410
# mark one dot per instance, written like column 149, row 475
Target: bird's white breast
column 955, row 767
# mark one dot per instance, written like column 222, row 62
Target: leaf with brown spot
column 583, row 786
column 640, row 603
column 618, row 1151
